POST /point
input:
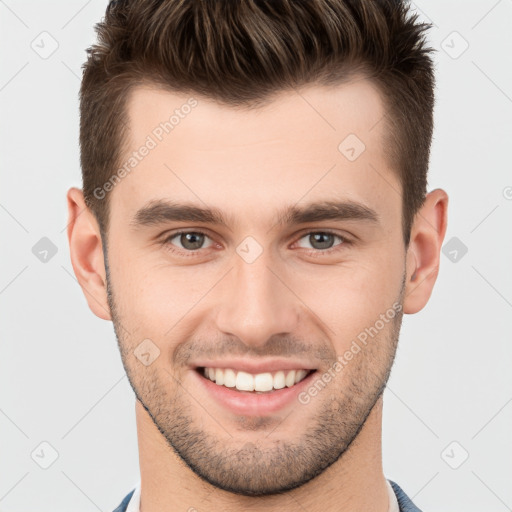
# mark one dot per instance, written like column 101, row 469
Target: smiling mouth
column 266, row 382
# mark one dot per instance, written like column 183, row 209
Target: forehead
column 315, row 112
column 319, row 142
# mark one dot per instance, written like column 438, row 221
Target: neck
column 354, row 483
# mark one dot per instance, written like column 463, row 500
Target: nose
column 257, row 303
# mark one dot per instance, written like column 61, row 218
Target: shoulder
column 404, row 502
column 124, row 504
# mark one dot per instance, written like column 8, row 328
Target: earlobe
column 86, row 251
column 423, row 254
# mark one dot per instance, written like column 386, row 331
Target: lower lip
column 250, row 403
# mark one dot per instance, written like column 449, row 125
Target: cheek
column 152, row 298
column 349, row 300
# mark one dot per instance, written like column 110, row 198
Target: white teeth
column 229, row 378
column 261, row 382
column 279, row 381
column 290, row 379
column 299, row 375
column 244, row 381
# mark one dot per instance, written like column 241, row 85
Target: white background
column 61, row 378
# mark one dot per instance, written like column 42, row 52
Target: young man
column 254, row 221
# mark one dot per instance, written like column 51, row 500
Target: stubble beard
column 269, row 464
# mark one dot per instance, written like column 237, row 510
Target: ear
column 86, row 251
column 423, row 253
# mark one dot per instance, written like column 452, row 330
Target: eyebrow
column 159, row 211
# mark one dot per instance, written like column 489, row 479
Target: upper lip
column 255, row 366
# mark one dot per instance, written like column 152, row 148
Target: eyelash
column 311, row 252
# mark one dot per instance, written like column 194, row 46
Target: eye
column 189, row 240
column 189, row 243
column 323, row 240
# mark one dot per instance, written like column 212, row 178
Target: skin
column 295, row 300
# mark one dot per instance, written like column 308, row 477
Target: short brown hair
column 240, row 53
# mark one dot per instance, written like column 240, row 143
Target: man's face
column 263, row 293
